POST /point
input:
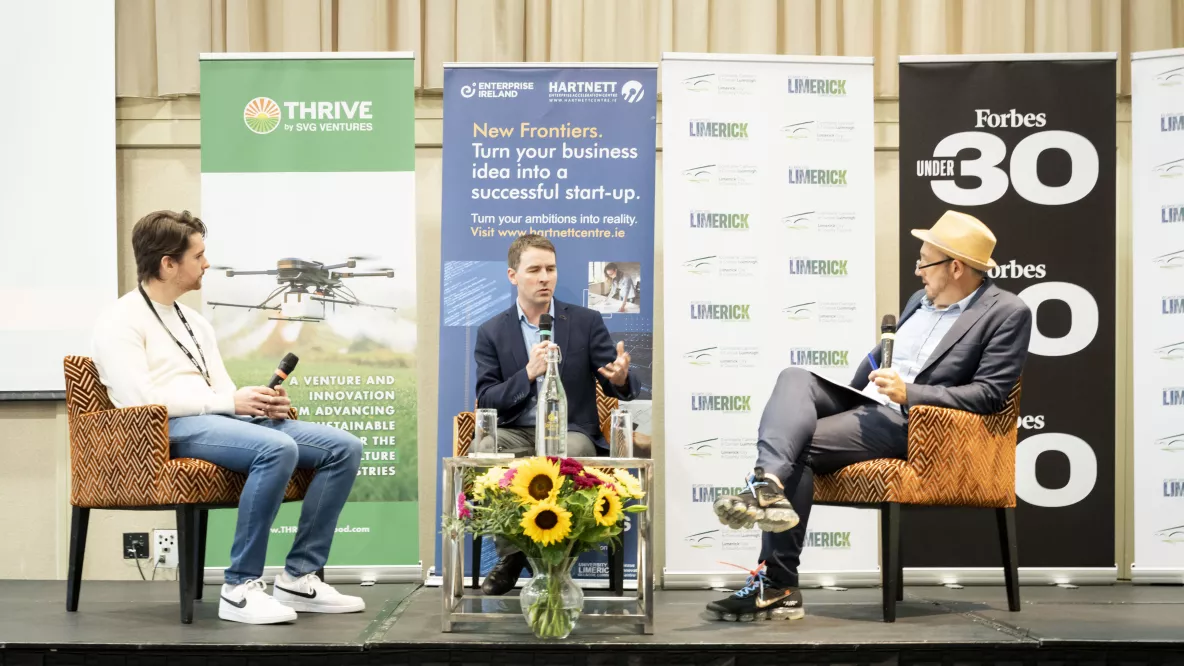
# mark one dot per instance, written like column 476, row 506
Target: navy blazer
column 975, row 365
column 585, row 346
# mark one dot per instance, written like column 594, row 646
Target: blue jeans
column 268, row 451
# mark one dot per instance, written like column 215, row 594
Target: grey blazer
column 978, row 361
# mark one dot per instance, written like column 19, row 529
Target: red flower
column 570, row 467
column 581, row 481
column 462, row 508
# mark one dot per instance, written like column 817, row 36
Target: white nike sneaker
column 249, row 603
column 309, row 594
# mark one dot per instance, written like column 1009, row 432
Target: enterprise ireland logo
column 262, row 115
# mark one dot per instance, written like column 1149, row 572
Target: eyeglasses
column 943, row 261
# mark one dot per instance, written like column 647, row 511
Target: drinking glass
column 620, row 434
column 486, row 426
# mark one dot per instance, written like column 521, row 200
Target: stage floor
column 1120, row 623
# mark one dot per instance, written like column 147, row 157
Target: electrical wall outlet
column 135, row 545
column 164, row 554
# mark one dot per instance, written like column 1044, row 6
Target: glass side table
column 461, row 607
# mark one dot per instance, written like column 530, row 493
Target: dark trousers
column 808, row 427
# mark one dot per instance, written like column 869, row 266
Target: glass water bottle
column 551, row 423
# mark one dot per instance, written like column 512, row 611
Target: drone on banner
column 305, row 285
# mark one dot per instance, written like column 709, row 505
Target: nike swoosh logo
column 761, row 603
column 236, row 604
column 306, row 595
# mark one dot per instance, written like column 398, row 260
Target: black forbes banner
column 1027, row 146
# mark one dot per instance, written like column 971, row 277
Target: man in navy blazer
column 511, row 363
column 961, row 343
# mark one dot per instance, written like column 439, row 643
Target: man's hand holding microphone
column 270, row 401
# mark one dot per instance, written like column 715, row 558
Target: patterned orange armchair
column 119, row 459
column 464, row 426
column 955, row 458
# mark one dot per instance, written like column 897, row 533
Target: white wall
column 57, row 184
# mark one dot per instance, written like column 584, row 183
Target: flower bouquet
column 552, row 509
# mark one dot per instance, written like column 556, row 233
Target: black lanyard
column 205, row 373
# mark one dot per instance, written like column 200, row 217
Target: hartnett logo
column 262, row 115
column 468, row 91
column 633, row 91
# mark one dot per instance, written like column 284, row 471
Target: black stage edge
column 136, row 623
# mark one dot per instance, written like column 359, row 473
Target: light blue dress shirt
column 531, row 336
column 916, row 339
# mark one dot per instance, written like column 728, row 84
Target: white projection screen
column 58, row 258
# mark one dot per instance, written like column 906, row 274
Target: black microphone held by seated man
column 287, row 365
column 887, row 337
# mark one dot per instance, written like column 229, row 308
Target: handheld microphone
column 545, row 323
column 285, row 368
column 887, row 337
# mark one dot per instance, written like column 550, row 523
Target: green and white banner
column 308, row 189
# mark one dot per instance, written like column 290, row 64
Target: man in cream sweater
column 150, row 349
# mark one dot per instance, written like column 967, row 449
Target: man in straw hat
column 962, row 343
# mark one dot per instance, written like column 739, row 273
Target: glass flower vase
column 551, row 600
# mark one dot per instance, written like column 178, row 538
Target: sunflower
column 546, row 523
column 627, row 484
column 536, row 481
column 607, row 507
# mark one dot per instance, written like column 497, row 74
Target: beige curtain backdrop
column 158, row 40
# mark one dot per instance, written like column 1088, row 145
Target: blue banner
column 567, row 153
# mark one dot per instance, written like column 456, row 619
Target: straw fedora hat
column 962, row 237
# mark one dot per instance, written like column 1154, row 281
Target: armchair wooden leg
column 186, row 558
column 900, row 580
column 890, row 556
column 476, row 562
column 79, row 521
column 1011, row 574
column 616, row 571
column 203, row 522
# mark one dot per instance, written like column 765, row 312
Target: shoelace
column 256, row 585
column 756, row 580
